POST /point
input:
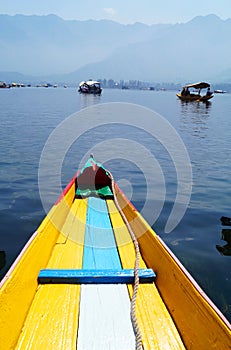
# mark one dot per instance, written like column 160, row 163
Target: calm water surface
column 29, row 115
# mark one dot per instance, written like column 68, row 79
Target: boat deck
column 70, row 316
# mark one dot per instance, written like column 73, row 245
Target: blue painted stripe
column 104, row 317
column 100, row 251
column 94, row 276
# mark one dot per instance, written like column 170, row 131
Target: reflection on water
column 225, row 236
column 194, row 117
column 196, row 106
column 87, row 100
column 2, row 259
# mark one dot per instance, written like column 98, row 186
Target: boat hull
column 172, row 313
column 194, row 97
column 185, row 300
column 90, row 92
column 90, row 87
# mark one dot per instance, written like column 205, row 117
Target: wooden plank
column 104, row 318
column 52, row 321
column 156, row 325
column 73, row 276
column 100, row 250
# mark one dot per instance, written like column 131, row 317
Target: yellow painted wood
column 19, row 285
column 157, row 327
column 71, row 237
column 52, row 320
column 200, row 323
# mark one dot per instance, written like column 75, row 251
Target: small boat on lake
column 188, row 92
column 95, row 275
column 90, row 87
column 219, row 91
column 3, row 85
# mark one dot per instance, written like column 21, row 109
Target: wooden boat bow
column 49, row 299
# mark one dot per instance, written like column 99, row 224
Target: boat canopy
column 92, row 82
column 89, row 82
column 201, row 85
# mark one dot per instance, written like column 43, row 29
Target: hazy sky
column 123, row 11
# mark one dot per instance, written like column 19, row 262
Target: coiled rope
column 138, row 336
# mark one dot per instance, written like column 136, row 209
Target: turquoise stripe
column 104, row 316
column 100, row 250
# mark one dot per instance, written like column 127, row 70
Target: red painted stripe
column 67, row 188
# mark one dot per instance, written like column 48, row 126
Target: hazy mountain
column 197, row 50
column 49, row 44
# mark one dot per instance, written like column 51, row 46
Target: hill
column 65, row 50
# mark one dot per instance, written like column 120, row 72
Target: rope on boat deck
column 138, row 336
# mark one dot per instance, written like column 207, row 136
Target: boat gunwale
column 194, row 282
column 18, row 258
column 181, row 266
column 199, row 300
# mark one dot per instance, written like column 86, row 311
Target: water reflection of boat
column 225, row 236
column 2, row 259
column 188, row 95
column 194, row 118
column 225, row 221
column 87, row 100
column 90, row 87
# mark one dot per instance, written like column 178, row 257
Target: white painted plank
column 104, row 319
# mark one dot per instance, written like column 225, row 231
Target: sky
column 122, row 11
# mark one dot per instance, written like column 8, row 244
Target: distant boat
column 219, row 91
column 90, row 87
column 189, row 95
column 3, row 85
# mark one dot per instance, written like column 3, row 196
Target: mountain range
column 49, row 47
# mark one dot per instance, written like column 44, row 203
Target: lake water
column 147, row 164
